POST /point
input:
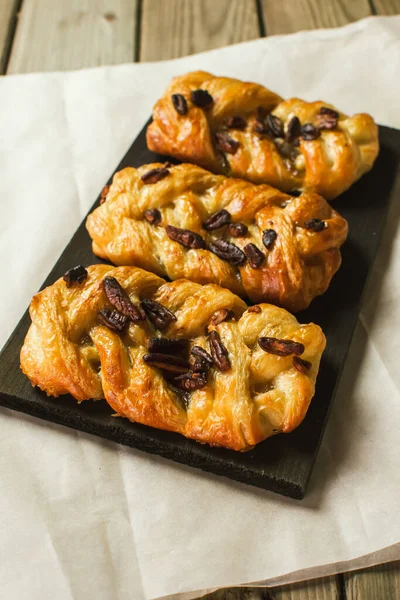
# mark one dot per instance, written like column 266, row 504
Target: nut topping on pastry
column 268, row 238
column 153, row 216
column 121, row 301
column 254, row 309
column 218, row 352
column 343, row 149
column 217, row 220
column 303, row 366
column 256, row 394
column 187, row 238
column 226, row 143
column 228, row 252
column 280, row 347
column 238, row 229
column 155, row 175
column 113, row 319
column 315, row 225
column 158, row 314
column 104, row 193
column 75, row 276
column 201, row 98
column 167, row 362
column 254, row 256
column 179, row 103
column 221, row 315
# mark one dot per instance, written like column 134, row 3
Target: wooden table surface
column 47, row 35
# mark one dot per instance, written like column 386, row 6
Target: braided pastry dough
column 297, row 265
column 230, row 132
column 67, row 350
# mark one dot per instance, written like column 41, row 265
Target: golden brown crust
column 327, row 165
column 297, row 267
column 67, row 351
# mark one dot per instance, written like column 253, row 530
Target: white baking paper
column 85, row 518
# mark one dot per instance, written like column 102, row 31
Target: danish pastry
column 176, row 356
column 182, row 221
column 243, row 129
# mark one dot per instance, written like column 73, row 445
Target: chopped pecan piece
column 75, row 276
column 268, row 237
column 226, row 143
column 117, row 296
column 254, row 256
column 154, row 175
column 221, row 315
column 236, row 122
column 280, row 347
column 158, row 314
column 104, row 193
column 179, row 103
column 274, row 125
column 201, row 98
column 228, row 252
column 293, row 129
column 218, row 352
column 238, row 229
column 309, row 132
column 191, row 381
column 327, row 118
column 185, row 237
column 203, row 354
column 314, row 225
column 217, row 220
column 303, row 366
column 167, row 345
column 167, row 362
column 254, row 309
column 153, row 216
column 113, row 319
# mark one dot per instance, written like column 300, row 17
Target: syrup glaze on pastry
column 252, row 239
column 247, row 131
column 177, row 356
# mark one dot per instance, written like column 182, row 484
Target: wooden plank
column 377, row 583
column 286, row 16
column 180, row 27
column 8, row 10
column 387, row 7
column 326, row 588
column 60, row 34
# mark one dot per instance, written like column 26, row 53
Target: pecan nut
column 309, row 132
column 120, row 300
column 254, row 256
column 274, row 125
column 293, row 129
column 154, row 175
column 235, row 122
column 153, row 216
column 167, row 362
column 315, row 225
column 179, row 103
column 185, row 237
column 327, row 118
column 217, row 220
column 226, row 143
column 113, row 319
column 218, row 352
column 203, row 354
column 201, row 98
column 221, row 315
column 268, row 237
column 167, row 345
column 254, row 309
column 280, row 347
column 238, row 229
column 158, row 314
column 75, row 276
column 228, row 252
column 191, row 381
column 303, row 366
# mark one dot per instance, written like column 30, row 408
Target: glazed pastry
column 243, row 129
column 177, row 356
column 182, row 221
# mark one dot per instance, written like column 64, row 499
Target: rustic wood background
column 47, row 35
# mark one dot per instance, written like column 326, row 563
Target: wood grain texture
column 387, row 7
column 378, row 583
column 179, row 27
column 326, row 588
column 8, row 9
column 288, row 16
column 70, row 34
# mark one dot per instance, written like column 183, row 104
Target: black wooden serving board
column 283, row 463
